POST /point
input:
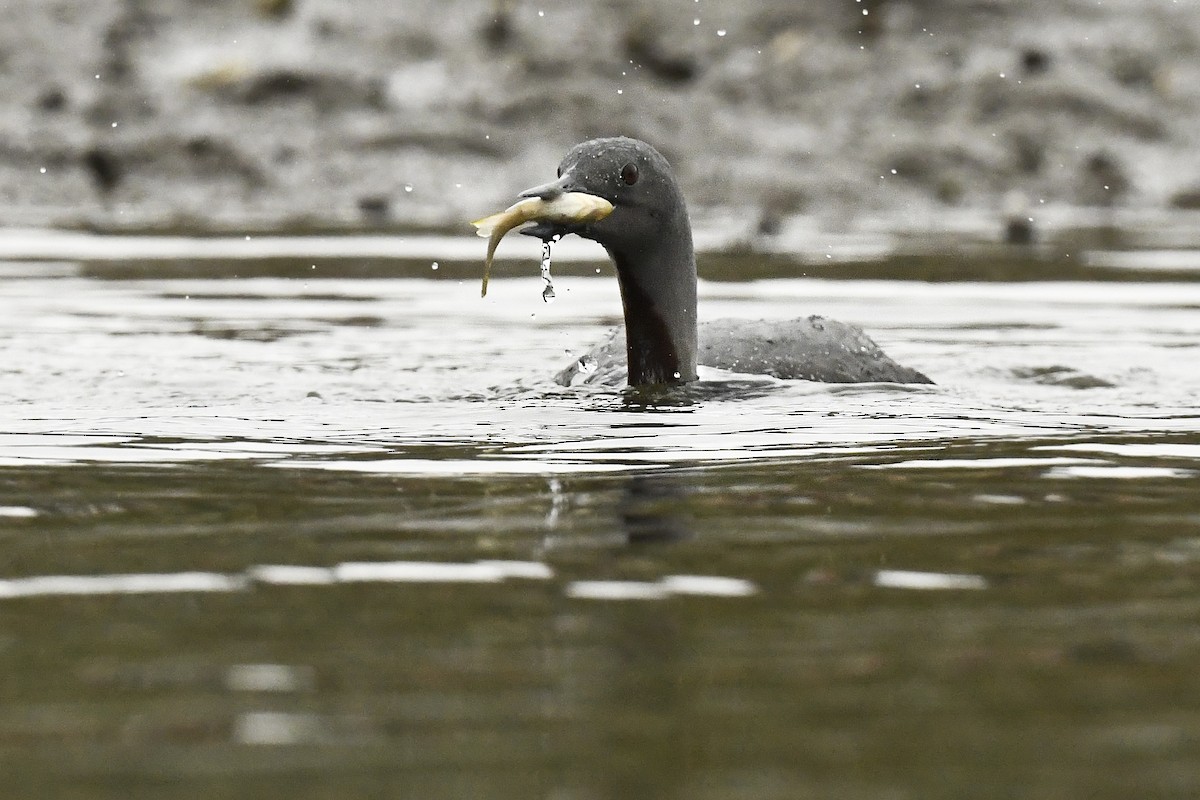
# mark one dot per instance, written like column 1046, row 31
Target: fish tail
column 487, row 263
column 485, row 226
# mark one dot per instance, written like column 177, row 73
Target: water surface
column 320, row 536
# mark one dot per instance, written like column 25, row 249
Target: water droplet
column 42, row 170
column 541, row 13
column 114, row 124
column 408, row 187
column 548, row 289
column 720, row 32
column 675, row 375
column 620, row 91
column 247, row 238
column 696, row 21
column 434, row 265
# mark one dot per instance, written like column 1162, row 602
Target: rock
column 1186, row 199
column 302, row 106
column 1035, row 61
column 104, row 168
column 648, row 48
column 53, row 99
column 1102, row 180
column 375, row 208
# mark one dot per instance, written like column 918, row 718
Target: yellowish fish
column 567, row 208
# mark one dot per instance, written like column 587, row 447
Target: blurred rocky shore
column 299, row 115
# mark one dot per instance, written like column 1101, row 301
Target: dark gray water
column 289, row 537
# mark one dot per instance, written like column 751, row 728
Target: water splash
column 548, row 290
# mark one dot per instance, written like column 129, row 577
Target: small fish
column 570, row 207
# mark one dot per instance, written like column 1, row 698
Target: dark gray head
column 635, row 178
column 649, row 239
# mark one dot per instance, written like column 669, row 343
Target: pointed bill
column 565, row 209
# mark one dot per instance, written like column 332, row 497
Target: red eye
column 629, row 174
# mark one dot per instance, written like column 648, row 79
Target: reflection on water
column 287, row 538
column 650, row 509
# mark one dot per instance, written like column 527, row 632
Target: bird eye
column 629, row 174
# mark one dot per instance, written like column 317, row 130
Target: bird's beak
column 546, row 228
column 551, row 190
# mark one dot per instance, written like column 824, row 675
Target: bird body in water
column 648, row 236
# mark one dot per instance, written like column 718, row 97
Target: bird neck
column 658, row 291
